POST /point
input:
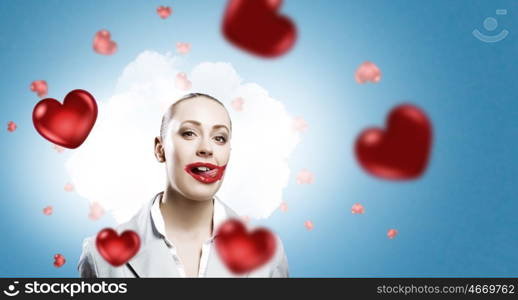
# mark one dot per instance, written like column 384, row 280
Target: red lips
column 214, row 174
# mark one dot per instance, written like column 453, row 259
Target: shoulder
column 87, row 266
column 280, row 260
column 92, row 264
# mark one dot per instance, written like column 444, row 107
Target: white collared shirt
column 218, row 217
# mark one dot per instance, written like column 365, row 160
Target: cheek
column 182, row 151
column 223, row 155
column 178, row 156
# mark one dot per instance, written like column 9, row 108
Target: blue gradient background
column 459, row 219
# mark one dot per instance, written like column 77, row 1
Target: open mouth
column 205, row 172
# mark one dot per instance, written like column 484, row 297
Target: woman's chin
column 200, row 191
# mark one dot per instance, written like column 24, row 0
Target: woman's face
column 196, row 148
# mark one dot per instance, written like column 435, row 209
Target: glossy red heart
column 67, row 125
column 257, row 27
column 401, row 152
column 115, row 249
column 242, row 251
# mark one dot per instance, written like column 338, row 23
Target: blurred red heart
column 257, row 27
column 59, row 260
column 40, row 87
column 67, row 125
column 115, row 249
column 164, row 11
column 242, row 251
column 11, row 126
column 103, row 43
column 401, row 152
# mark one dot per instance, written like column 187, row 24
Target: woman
column 177, row 226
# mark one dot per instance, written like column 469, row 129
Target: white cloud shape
column 116, row 167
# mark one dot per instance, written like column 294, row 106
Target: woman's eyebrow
column 199, row 124
column 192, row 121
column 220, row 126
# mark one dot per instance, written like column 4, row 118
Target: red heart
column 59, row 260
column 103, row 43
column 400, row 152
column 256, row 26
column 67, row 125
column 115, row 249
column 164, row 11
column 242, row 251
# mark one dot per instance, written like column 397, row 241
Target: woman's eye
column 221, row 139
column 188, row 133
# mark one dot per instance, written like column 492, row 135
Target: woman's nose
column 205, row 150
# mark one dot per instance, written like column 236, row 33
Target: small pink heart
column 305, row 177
column 299, row 124
column 164, row 11
column 368, row 71
column 182, row 82
column 11, row 126
column 103, row 43
column 40, row 87
column 237, row 103
column 391, row 233
column 284, row 207
column 357, row 209
column 47, row 210
column 183, row 48
column 96, row 211
column 59, row 260
column 68, row 187
column 309, row 225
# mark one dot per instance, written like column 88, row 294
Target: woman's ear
column 159, row 149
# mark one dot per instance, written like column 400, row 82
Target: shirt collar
column 218, row 217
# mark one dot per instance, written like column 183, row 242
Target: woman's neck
column 185, row 215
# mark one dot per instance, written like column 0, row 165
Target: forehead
column 201, row 109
